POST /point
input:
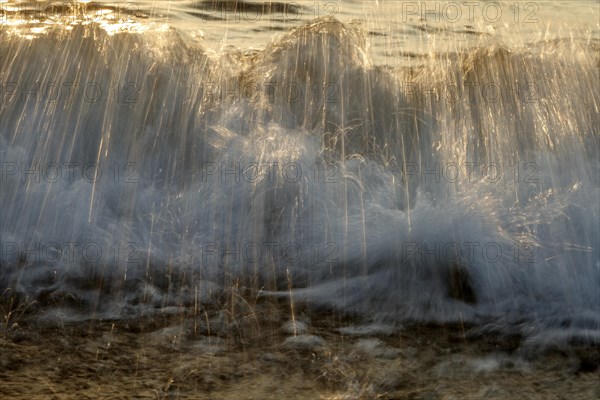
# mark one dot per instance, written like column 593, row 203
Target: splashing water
column 142, row 170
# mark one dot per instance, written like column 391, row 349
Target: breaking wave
column 143, row 172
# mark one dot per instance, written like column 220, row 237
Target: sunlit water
column 381, row 161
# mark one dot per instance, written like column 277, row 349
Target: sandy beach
column 248, row 354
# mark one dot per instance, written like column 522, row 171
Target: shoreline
column 262, row 353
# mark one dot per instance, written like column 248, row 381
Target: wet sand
column 260, row 352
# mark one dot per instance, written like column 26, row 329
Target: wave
column 142, row 172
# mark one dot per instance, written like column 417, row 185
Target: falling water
column 145, row 169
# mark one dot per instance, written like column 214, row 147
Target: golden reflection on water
column 400, row 32
column 31, row 19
